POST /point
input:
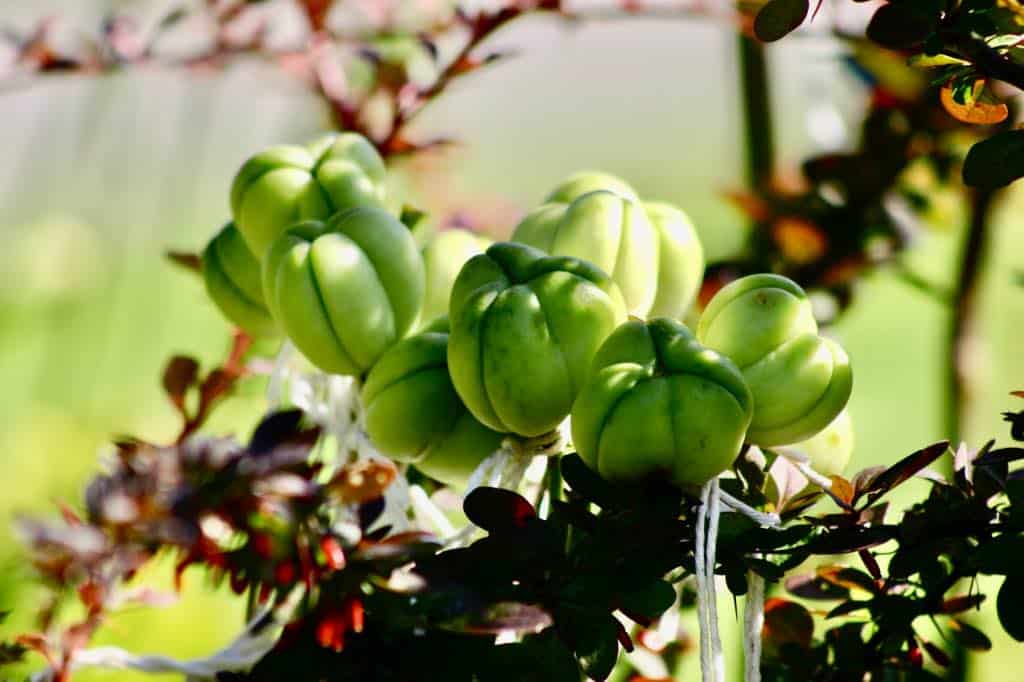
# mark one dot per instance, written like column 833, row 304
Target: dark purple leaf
column 851, row 539
column 962, row 603
column 275, row 429
column 497, row 510
column 1000, row 456
column 868, row 559
column 902, row 470
column 864, row 478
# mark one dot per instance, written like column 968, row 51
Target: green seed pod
column 347, row 290
column 830, row 450
column 584, row 182
column 524, row 329
column 680, row 263
column 800, row 381
column 413, row 413
column 443, row 257
column 285, row 184
column 656, row 402
column 232, row 278
column 607, row 230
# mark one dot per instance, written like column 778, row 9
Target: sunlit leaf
column 975, row 108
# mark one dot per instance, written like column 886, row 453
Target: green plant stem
column 956, row 360
column 757, row 118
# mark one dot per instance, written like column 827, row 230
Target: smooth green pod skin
column 524, row 329
column 347, row 290
column 800, row 381
column 285, row 184
column 680, row 263
column 659, row 402
column 584, row 182
column 443, row 257
column 232, row 278
column 831, row 449
column 607, row 230
column 413, row 413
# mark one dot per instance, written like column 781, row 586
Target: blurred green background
column 101, row 176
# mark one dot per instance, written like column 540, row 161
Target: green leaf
column 1008, row 606
column 995, row 162
column 929, row 61
column 778, row 18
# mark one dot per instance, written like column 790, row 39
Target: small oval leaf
column 779, row 18
column 995, row 162
column 970, row 637
column 786, row 622
column 1011, row 615
column 497, row 510
column 900, row 26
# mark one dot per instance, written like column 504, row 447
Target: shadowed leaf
column 995, row 162
column 506, row 617
column 970, row 637
column 811, row 586
column 779, row 18
column 649, row 600
column 850, row 578
column 1008, row 606
column 899, row 26
column 786, row 622
column 937, row 654
column 497, row 510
